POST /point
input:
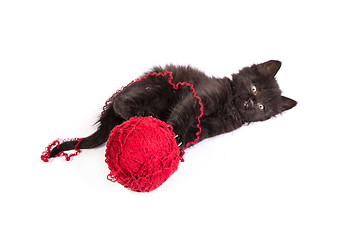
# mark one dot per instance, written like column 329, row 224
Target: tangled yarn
column 142, row 153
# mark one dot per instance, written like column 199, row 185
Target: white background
column 296, row 176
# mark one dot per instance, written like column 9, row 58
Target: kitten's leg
column 142, row 101
column 183, row 118
column 129, row 106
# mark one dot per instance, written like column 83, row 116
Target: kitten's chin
column 248, row 114
column 244, row 115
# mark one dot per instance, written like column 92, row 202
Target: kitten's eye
column 260, row 106
column 253, row 89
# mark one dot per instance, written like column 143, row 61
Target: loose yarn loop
column 142, row 153
column 46, row 154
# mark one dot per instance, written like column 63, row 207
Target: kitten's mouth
column 248, row 103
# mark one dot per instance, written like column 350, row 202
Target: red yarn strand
column 46, row 154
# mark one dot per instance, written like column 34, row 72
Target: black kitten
column 251, row 95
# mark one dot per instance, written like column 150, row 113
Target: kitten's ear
column 287, row 103
column 269, row 68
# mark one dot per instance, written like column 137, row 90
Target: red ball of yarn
column 142, row 153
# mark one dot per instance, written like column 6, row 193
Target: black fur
column 251, row 95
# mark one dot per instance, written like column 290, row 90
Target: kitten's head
column 257, row 95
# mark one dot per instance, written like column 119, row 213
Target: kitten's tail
column 108, row 120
